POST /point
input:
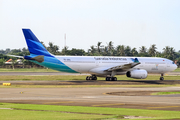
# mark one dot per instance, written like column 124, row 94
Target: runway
column 97, row 97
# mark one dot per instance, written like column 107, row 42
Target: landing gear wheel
column 87, row 78
column 107, row 78
column 161, row 78
column 111, row 78
column 114, row 78
column 93, row 77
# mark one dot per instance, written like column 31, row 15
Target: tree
column 143, row 49
column 65, row 50
column 76, row 52
column 134, row 52
column 143, row 52
column 152, row 50
column 120, row 50
column 110, row 47
column 25, row 51
column 7, row 51
column 128, row 51
column 53, row 48
column 92, row 50
column 166, row 51
column 172, row 53
column 105, row 51
column 2, row 62
column 98, row 46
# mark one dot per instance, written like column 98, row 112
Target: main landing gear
column 93, row 77
column 162, row 78
column 111, row 78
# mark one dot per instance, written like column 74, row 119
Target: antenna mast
column 65, row 43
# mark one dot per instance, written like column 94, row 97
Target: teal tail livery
column 96, row 66
column 39, row 54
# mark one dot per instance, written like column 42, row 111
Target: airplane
column 97, row 66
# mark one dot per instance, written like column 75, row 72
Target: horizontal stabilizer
column 39, row 58
column 15, row 56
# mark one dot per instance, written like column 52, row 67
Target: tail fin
column 34, row 45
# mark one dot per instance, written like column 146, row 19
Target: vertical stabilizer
column 34, row 45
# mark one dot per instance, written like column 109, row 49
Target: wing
column 124, row 67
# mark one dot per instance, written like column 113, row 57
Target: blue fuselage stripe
column 54, row 63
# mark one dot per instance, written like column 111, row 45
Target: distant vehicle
column 97, row 66
column 10, row 62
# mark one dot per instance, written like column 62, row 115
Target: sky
column 134, row 23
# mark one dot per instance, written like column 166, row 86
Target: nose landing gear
column 162, row 78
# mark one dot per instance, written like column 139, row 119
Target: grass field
column 51, row 112
column 27, row 70
column 165, row 93
column 177, row 70
column 78, row 77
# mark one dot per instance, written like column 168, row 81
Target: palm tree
column 152, row 50
column 52, row 48
column 172, row 53
column 98, row 46
column 120, row 50
column 166, row 51
column 110, row 47
column 128, row 51
column 92, row 50
column 105, row 51
column 134, row 52
column 143, row 49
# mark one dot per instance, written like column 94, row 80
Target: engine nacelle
column 137, row 74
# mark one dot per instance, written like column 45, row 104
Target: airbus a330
column 97, row 66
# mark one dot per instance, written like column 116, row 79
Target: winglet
column 135, row 60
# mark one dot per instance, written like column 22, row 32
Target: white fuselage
column 99, row 64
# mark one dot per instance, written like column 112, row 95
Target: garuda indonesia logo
column 157, row 66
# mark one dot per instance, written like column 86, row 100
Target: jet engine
column 137, row 74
